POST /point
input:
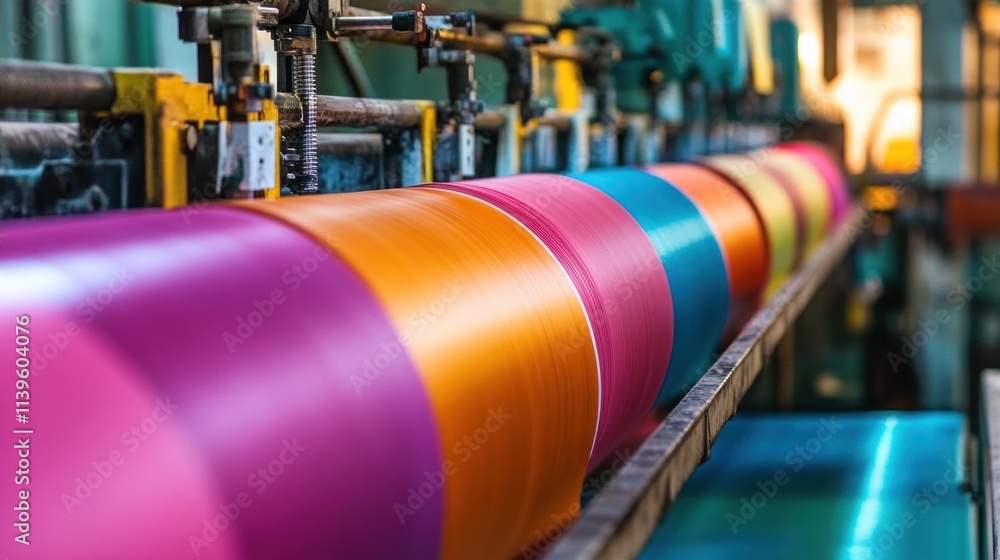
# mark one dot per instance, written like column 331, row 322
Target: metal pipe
column 492, row 43
column 364, row 23
column 49, row 85
column 285, row 7
column 562, row 123
column 349, row 144
column 28, row 143
column 490, row 121
column 350, row 112
column 560, row 51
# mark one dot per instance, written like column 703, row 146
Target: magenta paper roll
column 96, row 490
column 296, row 420
column 621, row 282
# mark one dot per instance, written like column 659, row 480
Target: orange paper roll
column 482, row 307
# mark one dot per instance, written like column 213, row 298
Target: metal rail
column 990, row 438
column 619, row 522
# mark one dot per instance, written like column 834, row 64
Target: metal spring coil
column 304, row 77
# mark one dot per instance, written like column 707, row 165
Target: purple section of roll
column 107, row 471
column 275, row 371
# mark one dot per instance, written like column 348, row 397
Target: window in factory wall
column 878, row 89
column 990, row 14
column 875, row 92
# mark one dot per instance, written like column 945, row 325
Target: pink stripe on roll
column 619, row 277
column 823, row 160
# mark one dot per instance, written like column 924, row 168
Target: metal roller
column 350, row 112
column 47, row 85
column 28, row 143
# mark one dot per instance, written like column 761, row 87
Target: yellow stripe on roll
column 499, row 334
column 812, row 190
column 773, row 206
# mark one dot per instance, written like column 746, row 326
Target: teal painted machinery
column 666, row 42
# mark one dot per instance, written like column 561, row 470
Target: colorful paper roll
column 498, row 333
column 810, row 188
column 823, row 160
column 738, row 230
column 692, row 260
column 774, row 208
column 212, row 384
column 422, row 373
column 618, row 274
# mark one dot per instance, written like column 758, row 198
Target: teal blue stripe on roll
column 692, row 259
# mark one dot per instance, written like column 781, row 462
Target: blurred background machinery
column 111, row 104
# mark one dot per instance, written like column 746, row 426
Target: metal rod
column 619, row 522
column 562, row 123
column 490, row 43
column 48, row 85
column 990, row 438
column 349, row 144
column 490, row 121
column 364, row 23
column 285, row 7
column 350, row 112
column 29, row 143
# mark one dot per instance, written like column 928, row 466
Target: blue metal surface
column 859, row 486
column 692, row 258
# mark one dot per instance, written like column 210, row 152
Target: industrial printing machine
column 853, row 412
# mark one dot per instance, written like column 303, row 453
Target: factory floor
column 851, row 486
